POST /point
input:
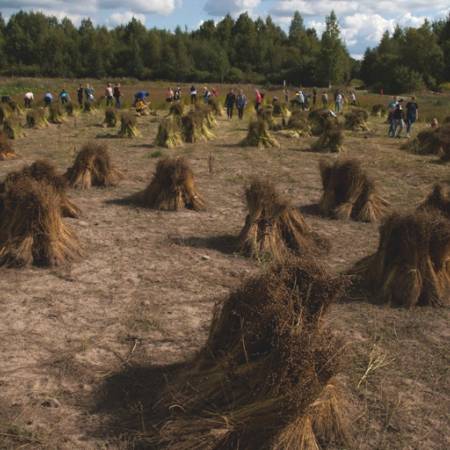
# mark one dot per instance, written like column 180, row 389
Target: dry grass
column 128, row 126
column 196, row 127
column 411, row 266
column 55, row 114
column 348, row 193
column 172, row 188
column 356, row 119
column 93, row 167
column 6, row 148
column 12, row 127
column 259, row 135
column 274, row 229
column 110, row 118
column 331, row 140
column 36, row 118
column 45, row 171
column 266, row 376
column 31, row 226
column 439, row 200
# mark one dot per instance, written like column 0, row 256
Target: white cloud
column 362, row 22
column 120, row 18
column 222, row 7
column 89, row 7
column 384, row 8
column 163, row 7
column 64, row 7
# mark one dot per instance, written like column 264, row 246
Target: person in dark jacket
column 80, row 95
column 230, row 102
column 399, row 119
column 241, row 103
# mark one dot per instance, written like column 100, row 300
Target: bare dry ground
column 83, row 347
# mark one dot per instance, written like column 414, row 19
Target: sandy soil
column 83, row 346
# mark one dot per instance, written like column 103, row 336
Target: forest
column 232, row 50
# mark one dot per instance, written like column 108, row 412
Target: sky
column 362, row 22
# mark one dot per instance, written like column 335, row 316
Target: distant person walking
column 412, row 115
column 300, row 96
column 89, row 93
column 206, row 94
column 64, row 97
column 353, row 98
column 314, row 97
column 258, row 100
column 241, row 103
column 177, row 94
column 80, row 95
column 339, row 103
column 391, row 109
column 399, row 119
column 109, row 95
column 230, row 101
column 325, row 100
column 48, row 99
column 28, row 99
column 117, row 94
column 193, row 93
column 170, row 95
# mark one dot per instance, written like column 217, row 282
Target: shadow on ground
column 227, row 244
column 129, row 399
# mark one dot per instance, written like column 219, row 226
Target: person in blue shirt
column 140, row 96
column 48, row 99
column 64, row 97
column 89, row 93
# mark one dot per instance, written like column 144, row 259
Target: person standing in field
column 193, row 92
column 48, row 99
column 314, row 97
column 325, row 100
column 339, row 103
column 177, row 94
column 258, row 100
column 230, row 101
column 64, row 97
column 109, row 95
column 241, row 103
column 206, row 94
column 28, row 99
column 286, row 95
column 89, row 93
column 399, row 119
column 353, row 98
column 412, row 115
column 391, row 108
column 170, row 95
column 301, row 99
column 117, row 94
column 80, row 94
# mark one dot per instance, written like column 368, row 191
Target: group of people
column 238, row 100
column 304, row 99
column 48, row 99
column 402, row 116
column 86, row 94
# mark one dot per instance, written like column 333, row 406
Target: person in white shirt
column 28, row 99
column 109, row 95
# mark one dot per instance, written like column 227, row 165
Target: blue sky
column 362, row 22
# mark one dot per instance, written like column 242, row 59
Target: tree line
column 232, row 50
column 409, row 59
column 242, row 49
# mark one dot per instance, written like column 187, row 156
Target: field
column 85, row 347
